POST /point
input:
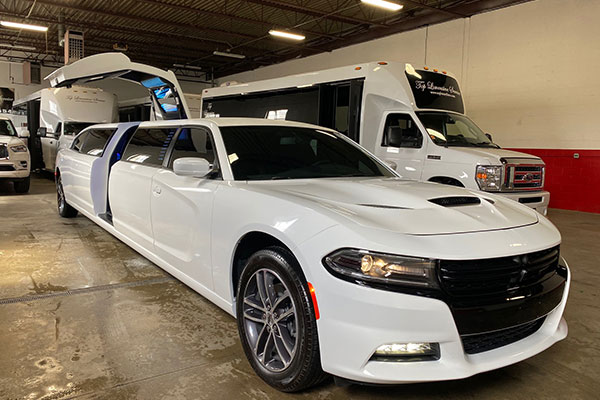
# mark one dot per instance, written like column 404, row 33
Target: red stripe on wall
column 573, row 183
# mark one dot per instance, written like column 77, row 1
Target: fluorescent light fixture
column 18, row 25
column 228, row 54
column 17, row 46
column 388, row 5
column 192, row 67
column 286, row 35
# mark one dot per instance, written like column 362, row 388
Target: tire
column 22, row 186
column 281, row 342
column 65, row 210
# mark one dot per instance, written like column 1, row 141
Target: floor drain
column 71, row 292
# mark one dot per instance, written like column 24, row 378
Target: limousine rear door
column 166, row 94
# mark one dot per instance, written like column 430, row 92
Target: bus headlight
column 489, row 177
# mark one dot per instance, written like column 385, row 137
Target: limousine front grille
column 485, row 281
column 478, row 343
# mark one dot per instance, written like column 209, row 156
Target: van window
column 149, row 146
column 401, row 131
column 96, row 141
column 193, row 142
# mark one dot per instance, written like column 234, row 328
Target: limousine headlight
column 389, row 269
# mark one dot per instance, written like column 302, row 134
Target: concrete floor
column 84, row 316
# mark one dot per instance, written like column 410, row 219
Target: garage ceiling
column 186, row 32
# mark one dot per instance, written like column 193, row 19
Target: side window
column 95, row 142
column 401, row 131
column 58, row 130
column 193, row 142
column 78, row 142
column 149, row 146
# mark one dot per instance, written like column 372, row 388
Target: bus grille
column 524, row 177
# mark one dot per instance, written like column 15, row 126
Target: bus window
column 342, row 106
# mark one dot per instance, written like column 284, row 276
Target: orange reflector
column 358, row 68
column 313, row 296
column 435, row 70
column 444, row 72
column 426, row 68
column 382, row 63
column 481, row 175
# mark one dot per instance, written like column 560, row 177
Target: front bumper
column 536, row 200
column 355, row 320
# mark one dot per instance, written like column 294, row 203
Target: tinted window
column 401, row 131
column 73, row 128
column 95, row 141
column 78, row 141
column 149, row 146
column 435, row 90
column 193, row 142
column 7, row 128
column 453, row 130
column 282, row 152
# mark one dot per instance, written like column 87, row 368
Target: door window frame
column 382, row 133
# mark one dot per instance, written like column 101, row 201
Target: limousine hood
column 407, row 207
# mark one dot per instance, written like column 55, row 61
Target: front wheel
column 22, row 186
column 65, row 210
column 276, row 322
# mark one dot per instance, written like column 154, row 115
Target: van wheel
column 64, row 209
column 276, row 322
column 22, row 186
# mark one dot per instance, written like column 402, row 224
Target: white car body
column 14, row 165
column 191, row 227
column 61, row 108
column 384, row 90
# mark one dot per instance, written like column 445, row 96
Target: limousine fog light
column 407, row 352
column 382, row 268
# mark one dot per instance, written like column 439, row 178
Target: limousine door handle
column 157, row 190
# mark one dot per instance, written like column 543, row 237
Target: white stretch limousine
column 330, row 261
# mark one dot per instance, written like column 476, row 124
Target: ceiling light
column 192, row 67
column 388, row 5
column 18, row 25
column 286, row 35
column 17, row 46
column 228, row 54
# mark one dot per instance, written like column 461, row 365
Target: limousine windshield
column 276, row 152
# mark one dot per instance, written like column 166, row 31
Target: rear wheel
column 65, row 210
column 22, row 186
column 276, row 322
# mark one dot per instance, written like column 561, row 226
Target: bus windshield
column 449, row 129
column 73, row 128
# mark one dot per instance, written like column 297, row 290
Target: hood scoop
column 456, row 201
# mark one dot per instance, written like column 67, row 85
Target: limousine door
column 182, row 208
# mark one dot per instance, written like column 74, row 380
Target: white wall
column 528, row 72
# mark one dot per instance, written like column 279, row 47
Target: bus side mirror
column 489, row 136
column 41, row 132
column 398, row 137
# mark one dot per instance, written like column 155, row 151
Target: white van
column 413, row 119
column 59, row 114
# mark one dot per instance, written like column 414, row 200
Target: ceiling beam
column 314, row 12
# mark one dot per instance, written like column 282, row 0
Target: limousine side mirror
column 192, row 166
column 23, row 134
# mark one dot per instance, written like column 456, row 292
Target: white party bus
column 414, row 119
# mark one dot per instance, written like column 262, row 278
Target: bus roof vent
column 456, row 201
